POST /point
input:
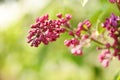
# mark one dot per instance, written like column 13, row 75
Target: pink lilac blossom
column 115, row 1
column 112, row 26
column 81, row 27
column 46, row 30
column 75, row 46
column 112, row 21
column 77, row 43
column 105, row 57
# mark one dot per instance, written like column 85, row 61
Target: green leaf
column 117, row 77
column 96, row 21
column 95, row 17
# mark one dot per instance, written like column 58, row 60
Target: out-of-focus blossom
column 115, row 1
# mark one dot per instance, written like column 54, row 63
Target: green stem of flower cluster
column 118, row 5
column 97, row 41
column 70, row 29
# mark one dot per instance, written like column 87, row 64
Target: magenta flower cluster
column 105, row 57
column 46, row 30
column 79, row 39
column 112, row 48
column 115, row 1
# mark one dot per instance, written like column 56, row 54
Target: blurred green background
column 19, row 61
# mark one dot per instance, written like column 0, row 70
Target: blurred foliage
column 19, row 61
column 2, row 1
column 117, row 77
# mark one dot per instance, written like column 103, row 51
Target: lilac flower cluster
column 112, row 26
column 75, row 46
column 105, row 57
column 112, row 21
column 80, row 40
column 46, row 30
